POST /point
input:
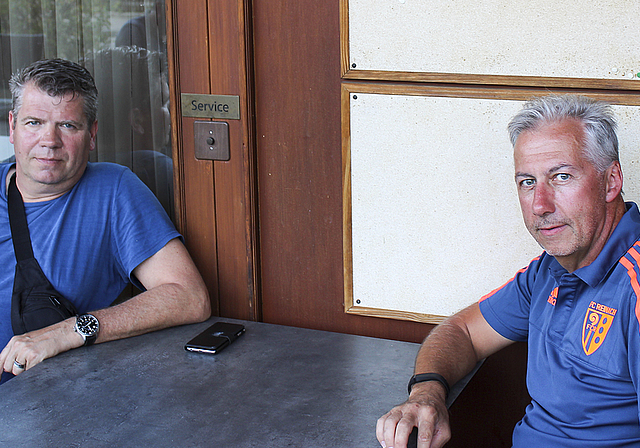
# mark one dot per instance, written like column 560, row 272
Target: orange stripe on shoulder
column 633, row 276
column 486, row 296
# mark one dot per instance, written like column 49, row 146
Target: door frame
column 216, row 200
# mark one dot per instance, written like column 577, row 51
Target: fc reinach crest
column 596, row 325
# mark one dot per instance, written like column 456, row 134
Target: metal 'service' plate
column 210, row 106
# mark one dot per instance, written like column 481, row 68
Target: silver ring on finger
column 18, row 365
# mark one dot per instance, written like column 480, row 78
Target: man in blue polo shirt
column 577, row 304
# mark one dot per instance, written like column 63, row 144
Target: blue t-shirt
column 89, row 240
column 583, row 333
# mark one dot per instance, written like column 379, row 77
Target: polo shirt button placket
column 563, row 309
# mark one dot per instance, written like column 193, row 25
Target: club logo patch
column 596, row 325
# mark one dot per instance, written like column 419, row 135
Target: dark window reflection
column 124, row 45
column 133, row 115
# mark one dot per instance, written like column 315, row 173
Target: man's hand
column 426, row 410
column 26, row 350
column 452, row 349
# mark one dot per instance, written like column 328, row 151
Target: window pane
column 123, row 44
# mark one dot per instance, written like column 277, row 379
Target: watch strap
column 422, row 377
column 90, row 340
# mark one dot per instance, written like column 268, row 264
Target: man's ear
column 613, row 181
column 11, row 127
column 93, row 132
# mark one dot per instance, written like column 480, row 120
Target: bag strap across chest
column 18, row 222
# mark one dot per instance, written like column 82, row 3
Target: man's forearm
column 448, row 351
column 454, row 347
column 175, row 295
column 164, row 306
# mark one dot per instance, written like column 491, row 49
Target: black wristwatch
column 87, row 326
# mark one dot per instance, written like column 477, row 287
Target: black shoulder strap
column 35, row 303
column 18, row 222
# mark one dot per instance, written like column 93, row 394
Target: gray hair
column 57, row 77
column 601, row 142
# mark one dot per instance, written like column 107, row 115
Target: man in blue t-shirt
column 577, row 305
column 93, row 227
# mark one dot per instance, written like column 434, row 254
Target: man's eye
column 563, row 176
column 68, row 126
column 32, row 123
column 527, row 183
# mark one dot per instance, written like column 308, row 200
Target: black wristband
column 421, row 377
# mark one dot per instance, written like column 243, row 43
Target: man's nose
column 50, row 136
column 543, row 200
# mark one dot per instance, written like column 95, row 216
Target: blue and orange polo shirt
column 583, row 333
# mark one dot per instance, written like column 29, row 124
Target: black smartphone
column 215, row 338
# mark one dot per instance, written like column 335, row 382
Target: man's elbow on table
column 201, row 305
column 196, row 304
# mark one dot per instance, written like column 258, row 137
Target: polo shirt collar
column 626, row 233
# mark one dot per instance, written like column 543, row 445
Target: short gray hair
column 601, row 142
column 57, row 77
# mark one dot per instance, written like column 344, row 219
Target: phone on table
column 215, row 338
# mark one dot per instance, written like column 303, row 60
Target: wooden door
column 299, row 162
column 215, row 200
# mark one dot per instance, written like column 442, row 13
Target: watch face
column 87, row 324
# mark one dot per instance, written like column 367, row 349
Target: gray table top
column 275, row 386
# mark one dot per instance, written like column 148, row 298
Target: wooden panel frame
column 215, row 201
column 352, row 73
column 349, row 89
column 235, row 181
column 192, row 213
